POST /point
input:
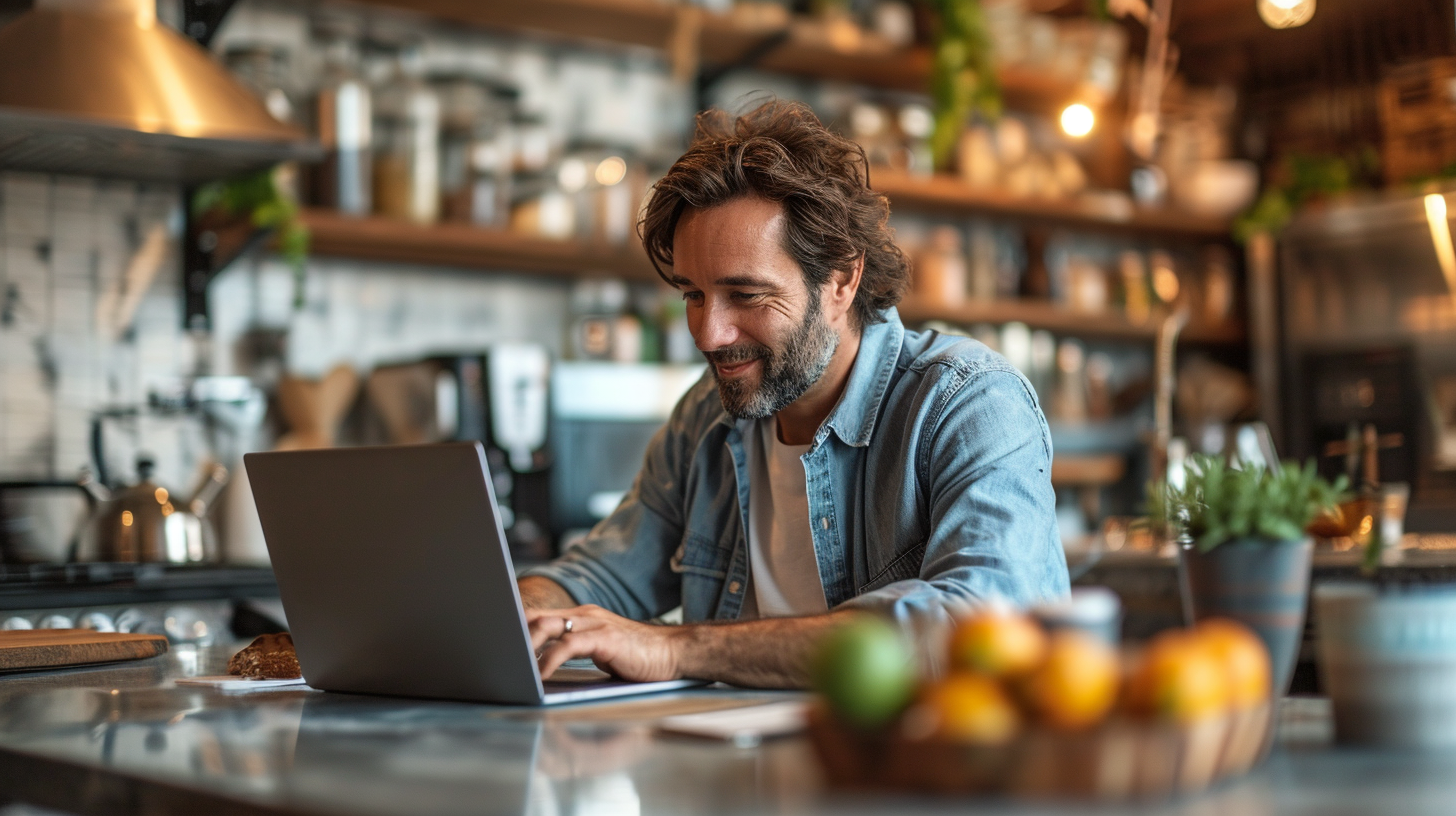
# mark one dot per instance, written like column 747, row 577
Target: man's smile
column 733, row 369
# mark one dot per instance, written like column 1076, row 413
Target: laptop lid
column 394, row 573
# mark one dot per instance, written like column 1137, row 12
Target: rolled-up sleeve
column 623, row 564
column 985, row 464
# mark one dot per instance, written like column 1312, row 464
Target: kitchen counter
column 127, row 740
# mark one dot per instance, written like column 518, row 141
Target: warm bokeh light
column 1286, row 13
column 611, row 171
column 1440, row 226
column 572, row 175
column 1078, row 120
column 161, row 495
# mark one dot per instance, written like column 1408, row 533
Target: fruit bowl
column 1121, row 759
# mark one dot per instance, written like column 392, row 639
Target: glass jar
column 475, row 149
column 343, row 113
column 407, row 142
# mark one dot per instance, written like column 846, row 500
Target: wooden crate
column 1418, row 119
column 1121, row 760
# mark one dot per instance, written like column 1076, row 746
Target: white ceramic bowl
column 1388, row 661
column 1217, row 189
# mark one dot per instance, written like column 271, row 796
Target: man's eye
column 692, row 297
column 746, row 297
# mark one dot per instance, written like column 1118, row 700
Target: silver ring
column 567, row 627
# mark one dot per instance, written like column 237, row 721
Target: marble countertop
column 128, row 740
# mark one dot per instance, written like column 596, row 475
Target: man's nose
column 713, row 329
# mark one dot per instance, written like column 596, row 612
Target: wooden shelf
column 1088, row 470
column 1108, row 325
column 948, row 194
column 468, row 247
column 804, row 47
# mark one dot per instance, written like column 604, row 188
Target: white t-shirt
column 783, row 572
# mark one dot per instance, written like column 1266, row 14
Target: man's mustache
column 741, row 353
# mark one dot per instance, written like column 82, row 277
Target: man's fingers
column 567, row 647
column 548, row 628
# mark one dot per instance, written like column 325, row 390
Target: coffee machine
column 503, row 401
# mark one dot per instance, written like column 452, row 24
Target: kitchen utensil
column 56, row 648
column 1219, row 188
column 44, row 521
column 144, row 523
column 313, row 408
column 187, row 531
column 405, row 398
column 132, row 525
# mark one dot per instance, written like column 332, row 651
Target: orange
column 1076, row 685
column 998, row 644
column 972, row 708
column 1242, row 655
column 1178, row 678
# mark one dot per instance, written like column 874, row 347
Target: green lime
column 866, row 672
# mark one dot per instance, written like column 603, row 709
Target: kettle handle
column 85, row 484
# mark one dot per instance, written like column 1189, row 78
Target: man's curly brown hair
column 781, row 152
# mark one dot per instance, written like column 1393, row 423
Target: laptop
column 395, row 576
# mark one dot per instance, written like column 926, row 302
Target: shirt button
column 734, row 587
column 824, row 522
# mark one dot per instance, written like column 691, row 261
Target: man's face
column 749, row 309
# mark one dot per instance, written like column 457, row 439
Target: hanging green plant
column 963, row 75
column 261, row 199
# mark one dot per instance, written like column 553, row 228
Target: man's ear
column 844, row 285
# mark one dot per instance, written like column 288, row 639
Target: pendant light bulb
column 1285, row 13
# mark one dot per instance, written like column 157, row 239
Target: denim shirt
column 929, row 488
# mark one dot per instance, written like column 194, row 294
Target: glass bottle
column 407, row 146
column 343, row 181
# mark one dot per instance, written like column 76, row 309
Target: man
column 830, row 462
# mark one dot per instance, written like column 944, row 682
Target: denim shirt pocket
column 904, row 566
column 703, row 565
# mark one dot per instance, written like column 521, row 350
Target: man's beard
column 787, row 372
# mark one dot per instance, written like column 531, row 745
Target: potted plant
column 1244, row 553
column 1387, row 648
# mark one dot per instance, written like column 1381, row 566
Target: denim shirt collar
column 853, row 417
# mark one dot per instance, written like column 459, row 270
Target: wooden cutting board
column 57, row 648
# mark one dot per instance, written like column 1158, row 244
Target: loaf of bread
column 268, row 657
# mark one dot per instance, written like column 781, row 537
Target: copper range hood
column 100, row 88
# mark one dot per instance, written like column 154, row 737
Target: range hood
column 99, row 87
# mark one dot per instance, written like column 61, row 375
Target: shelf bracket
column 202, row 18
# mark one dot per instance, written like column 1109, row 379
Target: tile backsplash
column 65, row 248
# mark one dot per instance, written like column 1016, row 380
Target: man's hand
column 627, row 649
column 772, row 653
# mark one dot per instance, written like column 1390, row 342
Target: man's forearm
column 770, row 653
column 543, row 593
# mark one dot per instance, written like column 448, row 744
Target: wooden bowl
column 1120, row 760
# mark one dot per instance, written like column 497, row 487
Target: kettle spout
column 214, row 481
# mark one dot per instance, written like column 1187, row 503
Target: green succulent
column 1219, row 502
column 261, row 198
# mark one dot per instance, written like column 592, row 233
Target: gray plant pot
column 1260, row 583
column 1389, row 662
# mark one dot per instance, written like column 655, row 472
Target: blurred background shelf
column 760, row 36
column 1058, row 319
column 948, row 194
column 463, row 245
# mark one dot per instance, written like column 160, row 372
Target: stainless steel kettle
column 145, row 522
